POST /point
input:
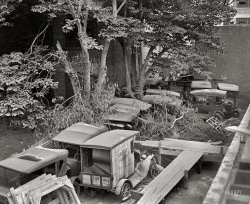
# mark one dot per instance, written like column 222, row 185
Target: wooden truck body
column 113, row 163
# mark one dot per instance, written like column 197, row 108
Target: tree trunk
column 142, row 74
column 69, row 70
column 125, row 47
column 87, row 65
column 103, row 67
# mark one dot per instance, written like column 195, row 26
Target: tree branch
column 148, row 57
column 34, row 41
column 175, row 120
column 86, row 21
column 156, row 59
column 122, row 4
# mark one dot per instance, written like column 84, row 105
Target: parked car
column 196, row 85
column 209, row 102
column 162, row 92
column 231, row 97
column 27, row 165
column 123, row 113
column 112, row 165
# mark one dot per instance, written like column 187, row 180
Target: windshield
column 9, row 178
column 232, row 94
column 74, row 150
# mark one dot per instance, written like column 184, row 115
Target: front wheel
column 154, row 171
column 125, row 191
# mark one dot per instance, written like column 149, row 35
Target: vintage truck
column 71, row 139
column 27, row 165
column 112, row 165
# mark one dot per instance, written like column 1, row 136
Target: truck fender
column 73, row 178
column 119, row 186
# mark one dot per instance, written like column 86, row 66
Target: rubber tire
column 236, row 114
column 125, row 190
column 154, row 172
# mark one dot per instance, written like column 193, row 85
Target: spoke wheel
column 154, row 171
column 125, row 190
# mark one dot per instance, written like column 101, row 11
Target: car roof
column 210, row 92
column 78, row 133
column 201, row 84
column 33, row 159
column 123, row 113
column 228, row 87
column 161, row 99
column 110, row 139
column 162, row 91
column 132, row 102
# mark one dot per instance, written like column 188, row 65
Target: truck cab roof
column 78, row 133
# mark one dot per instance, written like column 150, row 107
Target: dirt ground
column 13, row 140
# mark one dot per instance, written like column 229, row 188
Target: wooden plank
column 238, row 129
column 159, row 153
column 185, row 145
column 169, row 177
column 206, row 157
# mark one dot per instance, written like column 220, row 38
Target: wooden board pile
column 45, row 189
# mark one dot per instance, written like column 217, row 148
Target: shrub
column 25, row 80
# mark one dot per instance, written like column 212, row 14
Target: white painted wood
column 239, row 130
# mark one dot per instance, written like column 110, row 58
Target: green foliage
column 183, row 30
column 6, row 8
column 25, row 79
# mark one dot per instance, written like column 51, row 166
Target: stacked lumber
column 45, row 189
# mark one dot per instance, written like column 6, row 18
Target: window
column 242, row 21
column 243, row 4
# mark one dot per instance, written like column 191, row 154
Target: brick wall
column 235, row 64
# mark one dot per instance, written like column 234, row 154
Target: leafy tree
column 6, row 8
column 81, row 12
column 174, row 31
column 25, row 80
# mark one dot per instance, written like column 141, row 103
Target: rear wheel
column 236, row 114
column 154, row 171
column 125, row 191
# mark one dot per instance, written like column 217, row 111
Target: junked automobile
column 231, row 97
column 27, row 165
column 112, row 164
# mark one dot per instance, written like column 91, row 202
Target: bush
column 25, row 80
column 80, row 109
